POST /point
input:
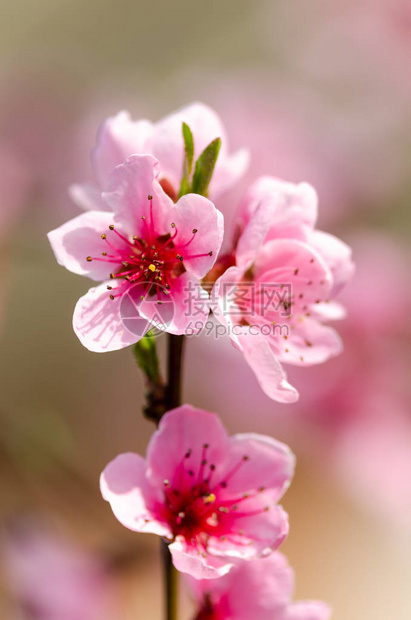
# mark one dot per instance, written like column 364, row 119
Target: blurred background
column 320, row 92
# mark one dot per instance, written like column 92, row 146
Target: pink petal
column 337, row 255
column 190, row 314
column 268, row 370
column 255, row 233
column 180, row 430
column 130, row 312
column 291, row 261
column 88, row 197
column 79, row 238
column 228, row 171
column 124, row 484
column 200, row 588
column 271, row 582
column 98, row 324
column 118, row 138
column 296, row 205
column 130, row 186
column 167, row 146
column 270, row 579
column 194, row 212
column 167, row 143
column 185, row 310
column 270, row 465
column 262, row 530
column 220, row 298
column 309, row 343
column 329, row 311
column 189, row 560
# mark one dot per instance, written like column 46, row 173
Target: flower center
column 207, row 611
column 199, row 503
column 151, row 259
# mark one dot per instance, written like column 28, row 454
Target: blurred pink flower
column 285, row 274
column 213, row 496
column 375, row 333
column 120, row 137
column 257, row 590
column 52, row 578
column 372, row 458
column 160, row 247
column 367, row 428
column 353, row 412
column 383, row 268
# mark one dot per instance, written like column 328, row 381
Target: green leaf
column 145, row 354
column 189, row 146
column 204, row 167
column 185, row 187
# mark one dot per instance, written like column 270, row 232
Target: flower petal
column 255, row 233
column 184, row 310
column 98, row 324
column 296, row 205
column 228, row 171
column 270, row 579
column 128, row 193
column 270, row 465
column 189, row 560
column 167, row 146
column 79, row 238
column 88, row 197
column 124, row 484
column 329, row 311
column 194, row 212
column 191, row 313
column 266, row 367
column 118, row 138
column 289, row 261
column 337, row 255
column 310, row 343
column 260, row 528
column 178, row 432
column 222, row 299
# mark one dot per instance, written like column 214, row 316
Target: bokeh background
column 319, row 91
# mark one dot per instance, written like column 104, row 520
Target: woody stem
column 173, row 399
column 174, row 368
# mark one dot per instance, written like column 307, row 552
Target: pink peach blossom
column 372, row 459
column 367, row 428
column 376, row 336
column 285, row 274
column 257, row 590
column 150, row 249
column 119, row 137
column 213, row 496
